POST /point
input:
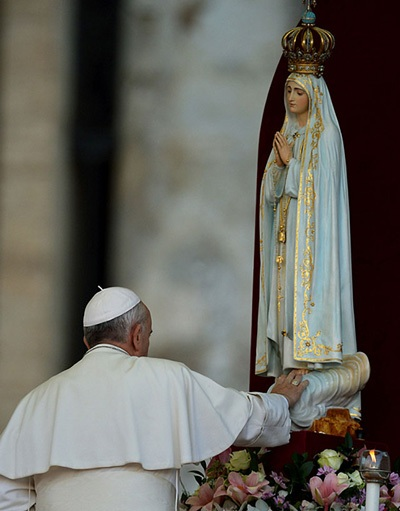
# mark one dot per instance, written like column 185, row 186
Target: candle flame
column 372, row 454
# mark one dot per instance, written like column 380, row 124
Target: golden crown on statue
column 306, row 46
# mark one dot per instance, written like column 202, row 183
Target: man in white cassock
column 112, row 431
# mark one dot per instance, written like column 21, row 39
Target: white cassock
column 112, row 432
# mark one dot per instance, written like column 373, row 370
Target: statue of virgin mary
column 305, row 314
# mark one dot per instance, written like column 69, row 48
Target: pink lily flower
column 325, row 491
column 224, row 456
column 395, row 495
column 384, row 492
column 243, row 487
column 206, row 496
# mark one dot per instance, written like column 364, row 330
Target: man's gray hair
column 116, row 329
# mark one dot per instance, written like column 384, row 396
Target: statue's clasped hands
column 282, row 149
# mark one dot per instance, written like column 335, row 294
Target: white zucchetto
column 107, row 304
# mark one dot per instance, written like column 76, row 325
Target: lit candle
column 375, row 469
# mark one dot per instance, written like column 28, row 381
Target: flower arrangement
column 241, row 480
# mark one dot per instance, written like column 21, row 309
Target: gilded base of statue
column 337, row 422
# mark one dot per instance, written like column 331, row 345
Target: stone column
column 32, row 205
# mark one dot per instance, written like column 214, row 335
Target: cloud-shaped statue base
column 337, row 387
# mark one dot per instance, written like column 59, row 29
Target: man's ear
column 86, row 343
column 135, row 337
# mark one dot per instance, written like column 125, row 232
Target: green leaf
column 254, row 460
column 306, row 469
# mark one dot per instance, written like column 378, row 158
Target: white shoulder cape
column 110, row 409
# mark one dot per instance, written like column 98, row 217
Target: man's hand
column 291, row 385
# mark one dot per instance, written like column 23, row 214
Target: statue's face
column 297, row 99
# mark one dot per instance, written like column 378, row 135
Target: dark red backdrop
column 361, row 78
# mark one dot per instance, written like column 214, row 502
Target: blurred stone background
column 191, row 78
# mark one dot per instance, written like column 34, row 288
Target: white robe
column 306, row 316
column 113, row 410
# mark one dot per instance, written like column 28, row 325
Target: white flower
column 343, row 478
column 356, row 478
column 353, row 479
column 330, row 458
column 238, row 461
column 308, row 506
column 260, row 505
